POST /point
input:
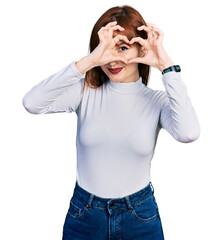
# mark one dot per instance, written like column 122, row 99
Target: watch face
column 177, row 67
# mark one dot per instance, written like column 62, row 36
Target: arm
column 177, row 114
column 60, row 92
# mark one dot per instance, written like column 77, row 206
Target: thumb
column 137, row 60
column 121, row 59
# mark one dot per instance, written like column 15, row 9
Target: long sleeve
column 60, row 92
column 177, row 114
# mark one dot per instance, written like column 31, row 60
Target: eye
column 123, row 47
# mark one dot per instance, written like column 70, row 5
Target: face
column 129, row 72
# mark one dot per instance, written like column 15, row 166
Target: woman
column 119, row 119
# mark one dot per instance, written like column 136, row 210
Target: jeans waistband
column 92, row 199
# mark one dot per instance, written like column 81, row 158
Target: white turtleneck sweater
column 117, row 125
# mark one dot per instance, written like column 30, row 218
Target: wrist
column 84, row 64
column 163, row 66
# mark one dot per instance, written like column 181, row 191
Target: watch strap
column 175, row 68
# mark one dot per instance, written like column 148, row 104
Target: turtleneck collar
column 126, row 88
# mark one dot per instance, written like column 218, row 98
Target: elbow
column 189, row 136
column 195, row 134
column 28, row 106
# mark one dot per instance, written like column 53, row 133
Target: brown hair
column 129, row 18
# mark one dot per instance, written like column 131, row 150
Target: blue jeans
column 134, row 216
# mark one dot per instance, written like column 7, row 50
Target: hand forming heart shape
column 154, row 53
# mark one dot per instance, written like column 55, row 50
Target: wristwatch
column 175, row 68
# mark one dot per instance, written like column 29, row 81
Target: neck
column 126, row 87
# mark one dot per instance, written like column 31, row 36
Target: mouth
column 115, row 70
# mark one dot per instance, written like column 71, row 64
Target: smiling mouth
column 115, row 70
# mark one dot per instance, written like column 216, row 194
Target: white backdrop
column 38, row 152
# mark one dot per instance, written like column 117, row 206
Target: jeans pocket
column 77, row 209
column 145, row 210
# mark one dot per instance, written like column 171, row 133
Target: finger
column 117, row 27
column 155, row 35
column 137, row 39
column 146, row 29
column 160, row 34
column 110, row 32
column 151, row 25
column 114, row 28
column 107, row 26
column 119, row 58
column 111, row 24
column 137, row 60
column 101, row 30
column 158, row 31
column 121, row 37
column 154, row 31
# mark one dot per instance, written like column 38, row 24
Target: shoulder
column 153, row 95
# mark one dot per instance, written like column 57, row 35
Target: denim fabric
column 134, row 216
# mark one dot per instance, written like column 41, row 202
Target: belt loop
column 90, row 201
column 150, row 183
column 128, row 202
